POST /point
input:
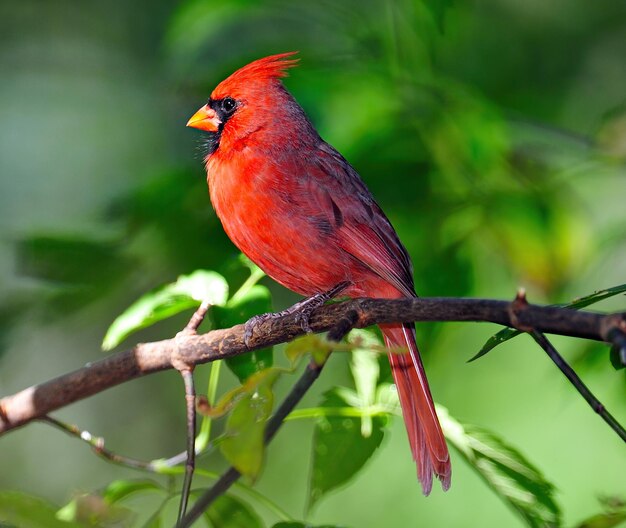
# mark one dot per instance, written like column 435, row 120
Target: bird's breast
column 258, row 205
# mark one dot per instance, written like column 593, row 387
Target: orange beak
column 205, row 119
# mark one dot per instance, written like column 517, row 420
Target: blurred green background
column 493, row 133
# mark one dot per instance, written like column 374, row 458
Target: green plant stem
column 255, row 276
column 203, row 438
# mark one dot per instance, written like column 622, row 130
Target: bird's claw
column 302, row 310
column 303, row 317
column 248, row 329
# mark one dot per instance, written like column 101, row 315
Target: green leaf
column 309, row 344
column 365, row 371
column 596, row 297
column 187, row 292
column 230, row 512
column 25, row 511
column 507, row 472
column 119, row 490
column 495, row 340
column 256, row 300
column 582, row 302
column 339, row 449
column 243, row 441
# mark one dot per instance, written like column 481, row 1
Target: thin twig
column 308, row 377
column 186, row 371
column 97, row 445
column 190, row 398
column 197, row 318
column 569, row 373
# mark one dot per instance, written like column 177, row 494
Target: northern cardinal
column 297, row 208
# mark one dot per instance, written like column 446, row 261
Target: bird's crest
column 265, row 69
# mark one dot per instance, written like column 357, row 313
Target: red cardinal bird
column 297, row 208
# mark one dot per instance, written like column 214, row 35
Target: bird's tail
column 425, row 436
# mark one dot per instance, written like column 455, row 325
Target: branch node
column 343, row 326
column 516, row 307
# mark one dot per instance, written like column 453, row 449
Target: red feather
column 298, row 209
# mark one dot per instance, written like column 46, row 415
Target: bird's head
column 251, row 99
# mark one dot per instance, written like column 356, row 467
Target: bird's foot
column 303, row 310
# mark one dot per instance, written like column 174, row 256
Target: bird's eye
column 229, row 105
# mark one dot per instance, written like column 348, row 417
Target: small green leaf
column 309, row 344
column 365, row 371
column 231, row 512
column 187, row 292
column 256, row 300
column 339, row 449
column 601, row 295
column 26, row 511
column 243, row 441
column 495, row 340
column 582, row 302
column 119, row 490
column 507, row 472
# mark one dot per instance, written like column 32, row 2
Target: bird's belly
column 285, row 245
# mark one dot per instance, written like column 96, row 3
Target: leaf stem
column 202, row 440
column 256, row 274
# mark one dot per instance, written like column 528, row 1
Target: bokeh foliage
column 492, row 133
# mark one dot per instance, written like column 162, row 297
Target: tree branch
column 37, row 401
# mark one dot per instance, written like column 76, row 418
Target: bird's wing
column 360, row 226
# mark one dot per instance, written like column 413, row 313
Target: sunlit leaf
column 365, row 371
column 582, row 302
column 187, row 292
column 243, row 441
column 249, row 386
column 339, row 449
column 257, row 300
column 231, row 512
column 507, row 472
column 309, row 344
column 25, row 511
